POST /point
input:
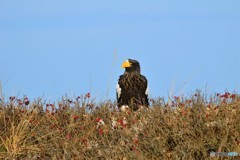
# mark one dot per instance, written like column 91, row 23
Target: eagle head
column 131, row 65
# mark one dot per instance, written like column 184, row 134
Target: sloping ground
column 184, row 128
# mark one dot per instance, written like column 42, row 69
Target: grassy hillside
column 183, row 128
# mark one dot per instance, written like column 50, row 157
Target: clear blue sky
column 54, row 47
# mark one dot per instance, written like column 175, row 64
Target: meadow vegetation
column 185, row 127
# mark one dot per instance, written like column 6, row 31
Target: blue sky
column 53, row 48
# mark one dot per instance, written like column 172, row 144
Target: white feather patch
column 124, row 108
column 118, row 91
column 146, row 92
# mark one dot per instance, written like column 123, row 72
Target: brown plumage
column 132, row 87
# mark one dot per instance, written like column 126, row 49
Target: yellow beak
column 126, row 64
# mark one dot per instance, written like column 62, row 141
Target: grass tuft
column 182, row 128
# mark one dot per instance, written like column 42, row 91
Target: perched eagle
column 132, row 87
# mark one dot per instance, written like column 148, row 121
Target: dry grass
column 184, row 128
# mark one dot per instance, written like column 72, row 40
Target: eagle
column 132, row 87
